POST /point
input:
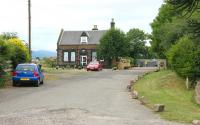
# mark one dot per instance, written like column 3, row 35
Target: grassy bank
column 167, row 88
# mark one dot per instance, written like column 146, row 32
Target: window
column 73, row 56
column 25, row 68
column 84, row 39
column 66, row 57
column 94, row 56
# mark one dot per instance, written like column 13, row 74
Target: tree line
column 175, row 36
column 115, row 43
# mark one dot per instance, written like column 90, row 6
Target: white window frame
column 73, row 58
column 94, row 56
column 84, row 39
column 66, row 56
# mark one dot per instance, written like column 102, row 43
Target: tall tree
column 167, row 28
column 189, row 9
column 187, row 6
column 113, row 45
column 177, row 37
column 137, row 40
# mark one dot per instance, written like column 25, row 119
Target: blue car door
column 40, row 74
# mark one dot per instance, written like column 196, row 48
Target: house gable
column 74, row 37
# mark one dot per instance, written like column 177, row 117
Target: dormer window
column 84, row 39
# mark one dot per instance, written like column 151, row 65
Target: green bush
column 184, row 57
column 49, row 62
column 13, row 49
column 2, row 81
column 20, row 53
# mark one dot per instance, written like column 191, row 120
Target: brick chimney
column 112, row 24
column 95, row 28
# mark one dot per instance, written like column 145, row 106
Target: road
column 96, row 98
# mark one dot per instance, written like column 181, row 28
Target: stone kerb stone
column 196, row 122
column 130, row 85
column 142, row 100
column 159, row 107
column 134, row 94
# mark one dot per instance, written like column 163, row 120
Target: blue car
column 28, row 73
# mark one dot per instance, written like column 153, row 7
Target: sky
column 50, row 16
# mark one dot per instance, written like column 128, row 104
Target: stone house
column 78, row 48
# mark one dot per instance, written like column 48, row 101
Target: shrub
column 1, row 82
column 184, row 57
column 49, row 62
column 19, row 51
column 132, row 61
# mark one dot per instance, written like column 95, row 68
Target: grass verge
column 1, row 82
column 54, row 74
column 165, row 87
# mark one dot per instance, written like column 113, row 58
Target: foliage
column 19, row 51
column 49, row 62
column 9, row 35
column 113, row 45
column 166, row 87
column 12, row 49
column 167, row 29
column 181, row 57
column 189, row 9
column 4, row 55
column 177, row 37
column 132, row 61
column 137, row 40
column 1, row 82
column 185, row 6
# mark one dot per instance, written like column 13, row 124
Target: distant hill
column 43, row 53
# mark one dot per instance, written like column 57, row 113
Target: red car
column 96, row 65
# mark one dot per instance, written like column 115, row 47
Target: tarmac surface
column 96, row 98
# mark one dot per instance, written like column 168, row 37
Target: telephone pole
column 29, row 28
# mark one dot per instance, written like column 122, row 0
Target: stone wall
column 197, row 92
column 160, row 63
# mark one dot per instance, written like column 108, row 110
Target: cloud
column 49, row 16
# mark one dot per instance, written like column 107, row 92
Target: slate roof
column 74, row 37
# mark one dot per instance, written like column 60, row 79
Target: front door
column 83, row 60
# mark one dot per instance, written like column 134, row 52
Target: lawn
column 54, row 74
column 165, row 87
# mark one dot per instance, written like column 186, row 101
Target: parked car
column 95, row 65
column 28, row 73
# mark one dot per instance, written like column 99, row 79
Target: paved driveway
column 97, row 98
